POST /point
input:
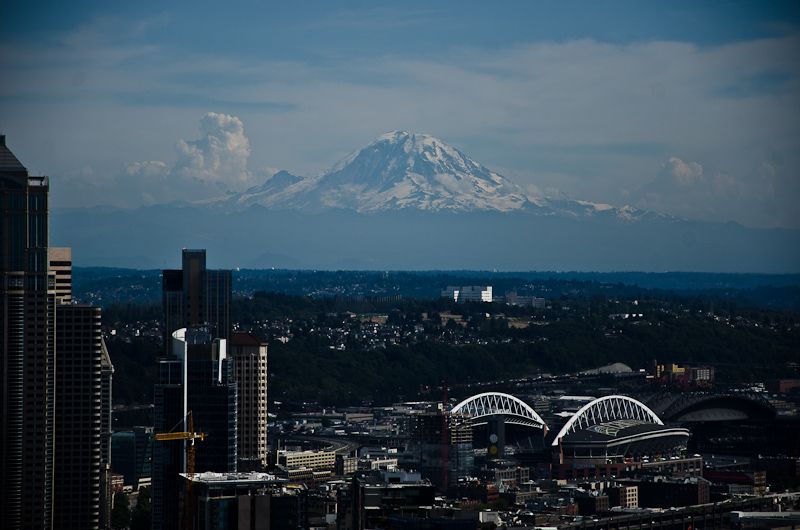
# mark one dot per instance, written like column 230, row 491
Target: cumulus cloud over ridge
column 214, row 164
column 680, row 172
column 220, row 155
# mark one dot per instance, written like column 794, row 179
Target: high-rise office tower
column 60, row 260
column 84, row 374
column 78, row 445
column 168, row 458
column 197, row 378
column 27, row 350
column 195, row 296
column 249, row 356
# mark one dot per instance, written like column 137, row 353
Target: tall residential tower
column 249, row 356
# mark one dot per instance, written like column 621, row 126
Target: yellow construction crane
column 189, row 435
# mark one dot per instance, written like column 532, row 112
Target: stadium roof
column 620, row 430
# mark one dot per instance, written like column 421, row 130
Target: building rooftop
column 211, row 477
column 245, row 339
column 8, row 162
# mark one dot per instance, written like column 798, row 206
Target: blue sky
column 689, row 108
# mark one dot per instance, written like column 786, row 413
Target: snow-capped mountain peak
column 400, row 170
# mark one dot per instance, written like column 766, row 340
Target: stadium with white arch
column 608, row 430
column 613, row 429
column 481, row 407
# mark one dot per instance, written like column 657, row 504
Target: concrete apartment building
column 316, row 460
column 249, row 356
column 60, row 261
column 468, row 293
column 624, row 496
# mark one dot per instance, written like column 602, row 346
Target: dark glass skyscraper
column 168, row 458
column 27, row 366
column 195, row 296
column 79, row 438
column 198, row 378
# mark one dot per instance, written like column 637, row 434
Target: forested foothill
column 345, row 338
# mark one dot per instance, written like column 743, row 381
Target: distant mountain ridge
column 400, row 170
column 410, row 201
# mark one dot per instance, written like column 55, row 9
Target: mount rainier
column 400, row 170
column 410, row 201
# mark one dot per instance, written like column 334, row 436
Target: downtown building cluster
column 55, row 375
column 56, row 380
column 212, row 380
column 491, row 459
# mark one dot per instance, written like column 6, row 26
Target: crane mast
column 189, row 435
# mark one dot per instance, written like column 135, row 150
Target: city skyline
column 456, row 265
